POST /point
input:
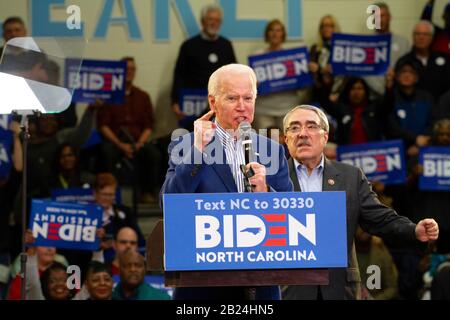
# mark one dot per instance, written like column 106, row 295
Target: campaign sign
column 255, row 230
column 193, row 102
column 436, row 168
column 65, row 225
column 281, row 70
column 360, row 55
column 96, row 80
column 5, row 157
column 380, row 161
column 5, row 121
column 80, row 195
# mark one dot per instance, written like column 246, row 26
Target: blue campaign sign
column 5, row 156
column 436, row 168
column 380, row 161
column 5, row 120
column 80, row 195
column 96, row 80
column 193, row 102
column 255, row 231
column 281, row 70
column 360, row 55
column 65, row 225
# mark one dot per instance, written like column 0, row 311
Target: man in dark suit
column 208, row 160
column 306, row 134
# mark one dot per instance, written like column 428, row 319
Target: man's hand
column 203, row 131
column 127, row 149
column 258, row 180
column 427, row 230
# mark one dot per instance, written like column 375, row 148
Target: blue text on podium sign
column 271, row 230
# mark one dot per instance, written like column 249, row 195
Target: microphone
column 245, row 130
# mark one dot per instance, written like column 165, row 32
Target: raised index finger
column 207, row 116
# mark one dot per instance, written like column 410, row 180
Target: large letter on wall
column 240, row 29
column 161, row 18
column 41, row 25
column 129, row 20
column 294, row 19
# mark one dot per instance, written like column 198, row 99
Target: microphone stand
column 24, row 126
column 250, row 292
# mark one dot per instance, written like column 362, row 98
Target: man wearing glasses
column 306, row 134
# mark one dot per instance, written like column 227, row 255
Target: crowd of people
column 411, row 102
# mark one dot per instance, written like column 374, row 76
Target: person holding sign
column 271, row 108
column 306, row 129
column 209, row 159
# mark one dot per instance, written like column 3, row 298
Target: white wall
column 156, row 60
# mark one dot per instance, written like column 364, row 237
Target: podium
column 208, row 278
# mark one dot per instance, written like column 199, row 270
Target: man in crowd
column 199, row 57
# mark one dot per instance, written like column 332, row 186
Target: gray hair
column 234, row 68
column 322, row 116
column 426, row 23
column 208, row 8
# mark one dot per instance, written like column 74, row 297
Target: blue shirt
column 312, row 183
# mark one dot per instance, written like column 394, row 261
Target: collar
column 225, row 137
column 299, row 166
column 204, row 36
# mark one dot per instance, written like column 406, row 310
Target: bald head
column 126, row 239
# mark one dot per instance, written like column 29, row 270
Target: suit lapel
column 293, row 174
column 331, row 180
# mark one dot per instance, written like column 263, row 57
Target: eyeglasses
column 309, row 128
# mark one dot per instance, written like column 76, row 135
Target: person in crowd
column 199, row 57
column 358, row 117
column 410, row 120
column 433, row 73
column 115, row 217
column 127, row 129
column 39, row 259
column 132, row 285
column 441, row 39
column 125, row 239
column 13, row 27
column 399, row 47
column 9, row 186
column 99, row 281
column 68, row 173
column 232, row 93
column 271, row 108
column 306, row 133
column 325, row 83
column 371, row 252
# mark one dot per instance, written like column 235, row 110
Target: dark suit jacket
column 363, row 208
column 188, row 177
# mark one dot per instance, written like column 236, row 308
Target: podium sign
column 236, row 231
